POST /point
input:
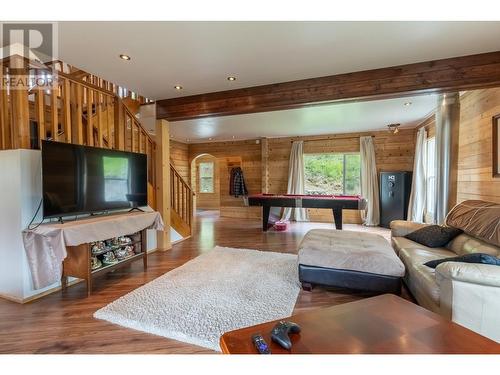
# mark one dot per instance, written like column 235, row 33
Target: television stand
column 78, row 262
column 136, row 209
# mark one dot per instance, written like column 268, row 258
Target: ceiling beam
column 438, row 76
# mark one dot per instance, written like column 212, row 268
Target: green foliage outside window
column 328, row 174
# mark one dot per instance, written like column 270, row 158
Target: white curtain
column 416, row 207
column 369, row 182
column 296, row 181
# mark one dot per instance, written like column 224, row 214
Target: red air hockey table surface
column 334, row 202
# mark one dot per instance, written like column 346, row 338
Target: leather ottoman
column 347, row 259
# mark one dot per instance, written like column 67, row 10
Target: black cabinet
column 395, row 188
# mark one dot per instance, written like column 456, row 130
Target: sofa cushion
column 399, row 243
column 467, row 258
column 466, row 244
column 422, row 279
column 477, row 218
column 434, row 235
column 348, row 250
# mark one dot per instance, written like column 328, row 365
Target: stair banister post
column 119, row 125
column 162, row 166
column 19, row 104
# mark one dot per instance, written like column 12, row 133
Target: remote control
column 260, row 344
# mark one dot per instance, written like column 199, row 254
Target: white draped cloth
column 369, row 182
column 416, row 206
column 45, row 245
column 296, row 182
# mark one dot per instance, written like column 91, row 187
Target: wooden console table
column 385, row 324
column 58, row 250
column 78, row 262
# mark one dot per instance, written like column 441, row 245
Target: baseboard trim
column 48, row 291
column 181, row 240
column 37, row 296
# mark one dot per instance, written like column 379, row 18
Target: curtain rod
column 328, row 139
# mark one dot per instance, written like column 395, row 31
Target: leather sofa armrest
column 400, row 228
column 472, row 273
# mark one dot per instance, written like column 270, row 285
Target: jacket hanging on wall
column 237, row 185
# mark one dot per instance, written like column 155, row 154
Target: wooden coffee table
column 385, row 324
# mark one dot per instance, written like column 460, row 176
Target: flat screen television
column 81, row 179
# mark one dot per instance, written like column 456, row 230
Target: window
column 328, row 174
column 206, row 171
column 430, row 172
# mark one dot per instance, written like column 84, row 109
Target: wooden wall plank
column 90, row 117
column 20, row 126
column 475, row 159
column 250, row 154
column 109, row 121
column 54, row 113
column 40, row 114
column 394, row 152
column 77, row 114
column 120, row 126
column 99, row 118
column 66, row 111
column 179, row 157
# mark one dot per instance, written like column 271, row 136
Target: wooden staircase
column 81, row 108
column 181, row 203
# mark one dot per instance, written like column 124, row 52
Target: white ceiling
column 321, row 119
column 200, row 55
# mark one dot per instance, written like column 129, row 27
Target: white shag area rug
column 222, row 290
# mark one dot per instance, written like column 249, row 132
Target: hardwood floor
column 63, row 323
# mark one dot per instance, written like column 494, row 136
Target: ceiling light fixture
column 210, row 139
column 124, row 57
column 178, row 87
column 231, row 78
column 394, row 128
column 407, row 104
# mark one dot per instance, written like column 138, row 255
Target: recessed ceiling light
column 178, row 87
column 124, row 57
column 210, row 138
column 407, row 104
column 231, row 78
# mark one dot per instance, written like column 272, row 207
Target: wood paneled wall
column 250, row 154
column 206, row 201
column 179, row 157
column 394, row 152
column 475, row 161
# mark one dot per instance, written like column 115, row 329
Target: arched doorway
column 205, row 181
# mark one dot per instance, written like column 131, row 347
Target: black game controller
column 280, row 332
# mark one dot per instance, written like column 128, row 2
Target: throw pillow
column 434, row 235
column 467, row 258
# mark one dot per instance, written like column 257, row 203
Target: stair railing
column 181, row 198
